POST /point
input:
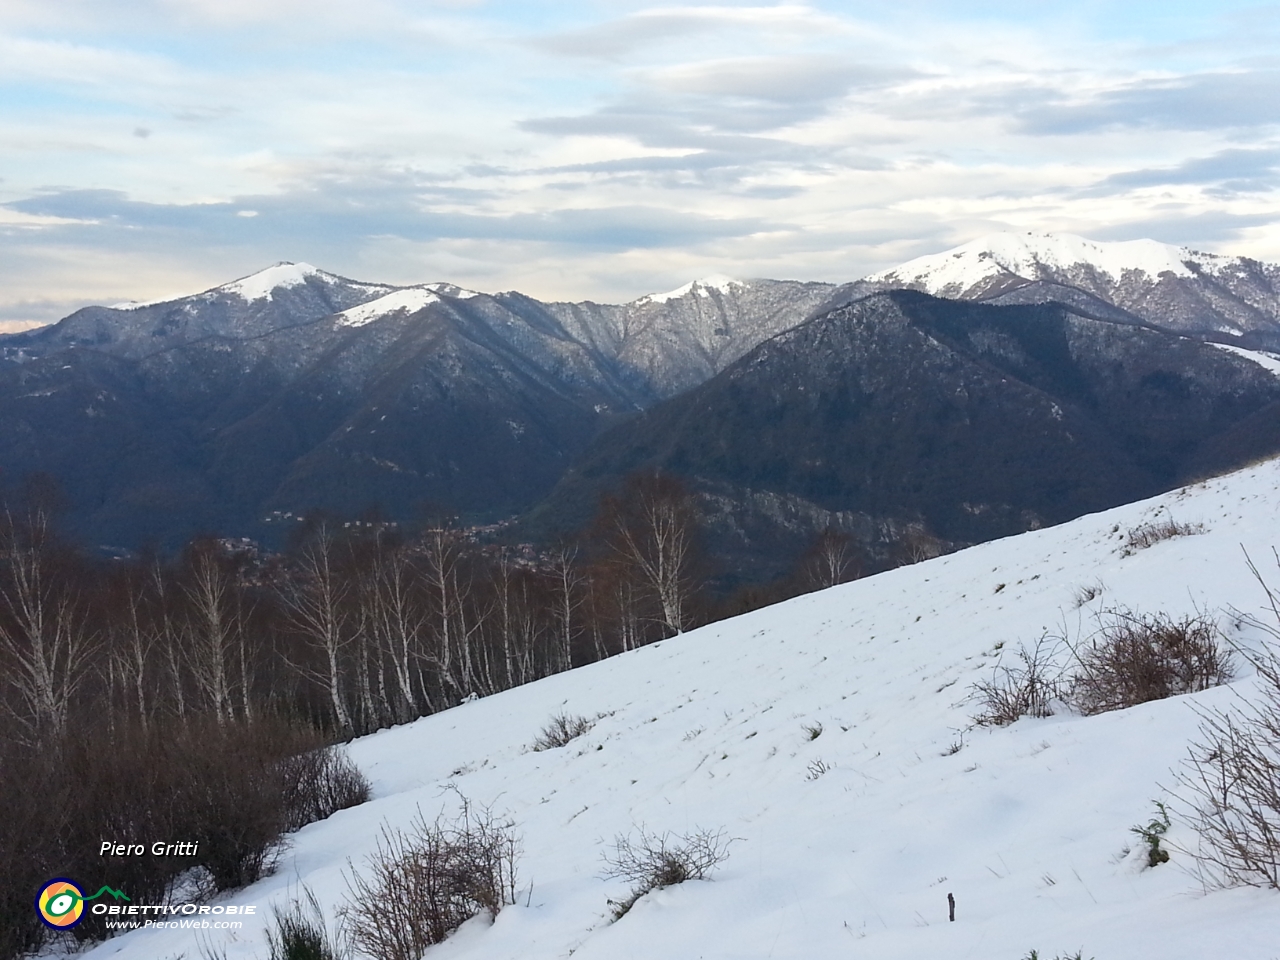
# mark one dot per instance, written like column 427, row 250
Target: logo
column 60, row 902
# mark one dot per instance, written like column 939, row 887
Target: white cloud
column 780, row 79
column 620, row 147
column 656, row 26
column 102, row 69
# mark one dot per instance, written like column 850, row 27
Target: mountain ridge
column 963, row 419
column 1177, row 288
column 294, row 388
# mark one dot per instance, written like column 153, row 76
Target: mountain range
column 1082, row 377
column 295, row 389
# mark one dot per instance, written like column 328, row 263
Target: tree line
column 353, row 628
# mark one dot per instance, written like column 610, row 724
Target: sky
column 603, row 150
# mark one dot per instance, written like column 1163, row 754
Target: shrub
column 1230, row 782
column 1136, row 658
column 1087, row 593
column 300, row 933
column 237, row 812
column 560, row 730
column 1026, row 689
column 233, row 788
column 1230, row 787
column 1148, row 534
column 422, row 884
column 319, row 783
column 651, row 861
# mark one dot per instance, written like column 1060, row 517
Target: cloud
column 1187, row 229
column 616, row 38
column 84, row 65
column 783, row 80
column 1062, row 102
column 341, row 217
column 723, row 112
column 1203, row 101
column 487, row 143
column 647, row 123
column 1239, row 170
column 147, row 15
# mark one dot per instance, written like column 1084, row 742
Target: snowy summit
column 263, row 284
column 257, row 286
column 1039, row 256
column 702, row 288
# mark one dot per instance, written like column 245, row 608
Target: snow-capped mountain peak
column 256, row 286
column 1039, row 256
column 263, row 284
column 1169, row 286
column 702, row 288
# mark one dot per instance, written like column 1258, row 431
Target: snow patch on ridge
column 1268, row 361
column 408, row 300
column 1033, row 255
column 139, row 304
column 702, row 288
column 450, row 290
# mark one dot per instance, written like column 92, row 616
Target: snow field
column 1026, row 825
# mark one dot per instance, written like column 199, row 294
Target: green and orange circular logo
column 60, row 903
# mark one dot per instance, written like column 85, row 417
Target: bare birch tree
column 830, row 560
column 313, row 599
column 43, row 633
column 398, row 619
column 133, row 639
column 567, row 590
column 211, row 627
column 653, row 529
column 450, row 589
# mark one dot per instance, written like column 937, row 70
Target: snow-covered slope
column 1172, row 287
column 847, row 844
